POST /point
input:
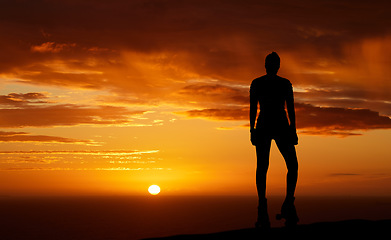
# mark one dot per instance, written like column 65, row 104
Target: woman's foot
column 263, row 216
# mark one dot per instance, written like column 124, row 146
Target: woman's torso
column 271, row 92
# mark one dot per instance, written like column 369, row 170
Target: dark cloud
column 311, row 119
column 339, row 119
column 18, row 99
column 346, row 96
column 319, row 119
column 225, row 39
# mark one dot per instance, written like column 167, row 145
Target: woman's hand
column 253, row 137
column 293, row 136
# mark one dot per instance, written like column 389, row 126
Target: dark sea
column 137, row 217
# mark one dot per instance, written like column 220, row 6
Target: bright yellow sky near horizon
column 126, row 94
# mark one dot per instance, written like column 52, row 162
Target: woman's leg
column 288, row 151
column 263, row 152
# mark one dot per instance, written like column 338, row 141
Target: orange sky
column 110, row 97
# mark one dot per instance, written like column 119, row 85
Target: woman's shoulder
column 267, row 80
column 284, row 80
column 258, row 80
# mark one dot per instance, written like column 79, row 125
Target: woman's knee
column 262, row 169
column 292, row 166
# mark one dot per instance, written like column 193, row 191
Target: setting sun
column 103, row 102
column 154, row 189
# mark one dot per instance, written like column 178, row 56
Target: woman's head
column 272, row 63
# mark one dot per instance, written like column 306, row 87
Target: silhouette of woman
column 273, row 93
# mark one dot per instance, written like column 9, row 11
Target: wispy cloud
column 237, row 114
column 86, row 152
column 27, row 137
column 80, row 160
column 64, row 115
column 344, row 174
column 80, row 169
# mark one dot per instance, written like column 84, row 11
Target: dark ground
column 348, row 229
column 186, row 217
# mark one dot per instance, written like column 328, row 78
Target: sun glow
column 154, row 189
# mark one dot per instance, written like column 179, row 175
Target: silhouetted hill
column 348, row 229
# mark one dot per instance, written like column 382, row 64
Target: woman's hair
column 272, row 63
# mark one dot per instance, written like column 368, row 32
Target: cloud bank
column 199, row 55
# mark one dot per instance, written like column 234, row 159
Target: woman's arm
column 291, row 112
column 253, row 116
column 253, row 109
column 290, row 105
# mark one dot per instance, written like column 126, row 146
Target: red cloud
column 237, row 114
column 150, row 50
column 51, row 47
column 214, row 94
